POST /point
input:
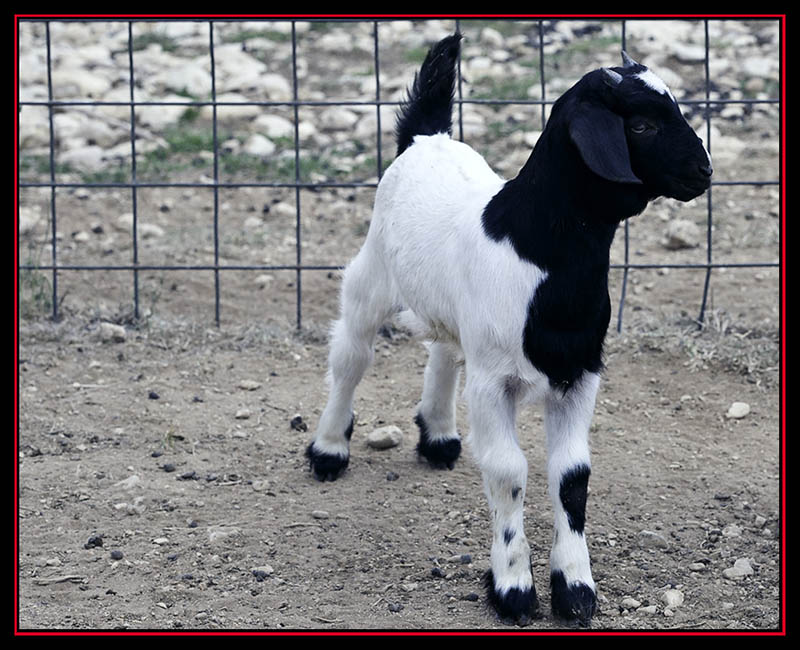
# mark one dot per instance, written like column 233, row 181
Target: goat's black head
column 629, row 129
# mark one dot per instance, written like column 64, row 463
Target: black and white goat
column 512, row 277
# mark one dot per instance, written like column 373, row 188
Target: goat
column 511, row 276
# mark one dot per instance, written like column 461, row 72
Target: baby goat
column 511, row 276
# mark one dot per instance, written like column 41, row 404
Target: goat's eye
column 639, row 127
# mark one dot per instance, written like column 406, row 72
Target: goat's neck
column 556, row 209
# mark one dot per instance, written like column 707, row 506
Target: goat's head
column 629, row 129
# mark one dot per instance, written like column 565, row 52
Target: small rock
column 153, row 395
column 409, row 586
column 249, row 384
column 243, row 414
column 392, row 476
column 160, row 541
column 128, row 483
column 436, row 572
column 759, row 521
column 168, row 467
column 112, row 332
column 395, row 607
column 262, row 572
column 259, row 145
column 739, row 570
column 738, row 410
column 471, row 596
column 680, row 234
column 672, row 598
column 94, row 541
column 650, row 609
column 297, row 423
column 732, row 530
column 116, row 554
column 320, row 514
column 697, row 566
column 648, row 538
column 385, row 437
column 630, row 603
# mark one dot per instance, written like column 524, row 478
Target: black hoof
column 518, row 606
column 326, row 467
column 329, row 467
column 439, row 453
column 576, row 602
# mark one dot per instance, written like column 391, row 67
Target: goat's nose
column 706, row 170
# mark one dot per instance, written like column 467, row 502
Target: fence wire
column 298, row 267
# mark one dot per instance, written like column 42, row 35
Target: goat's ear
column 599, row 135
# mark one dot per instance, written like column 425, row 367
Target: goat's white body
column 461, row 286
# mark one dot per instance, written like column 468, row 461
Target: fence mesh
column 132, row 182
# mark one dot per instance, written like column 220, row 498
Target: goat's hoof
column 326, row 467
column 576, row 602
column 516, row 606
column 441, row 453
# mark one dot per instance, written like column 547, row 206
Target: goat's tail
column 429, row 107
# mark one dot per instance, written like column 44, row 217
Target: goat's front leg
column 492, row 408
column 567, row 419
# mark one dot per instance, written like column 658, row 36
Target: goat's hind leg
column 439, row 441
column 366, row 303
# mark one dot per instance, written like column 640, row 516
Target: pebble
column 697, row 566
column 681, row 234
column 738, row 410
column 160, row 541
column 630, row 603
column 672, row 598
column 243, row 414
column 385, row 437
column 739, row 570
column 94, row 541
column 650, row 609
column 249, row 384
column 297, row 424
column 116, row 554
column 259, row 145
column 320, row 514
column 650, row 539
column 112, row 332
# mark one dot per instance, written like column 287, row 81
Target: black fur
column 329, row 467
column 517, row 605
column 576, row 602
column 439, row 453
column 508, row 535
column 561, row 211
column 574, row 485
column 429, row 107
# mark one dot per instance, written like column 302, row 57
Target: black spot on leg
column 574, row 484
column 515, row 492
column 508, row 535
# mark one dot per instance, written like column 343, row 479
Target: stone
column 385, row 437
column 739, row 570
column 681, row 234
column 738, row 410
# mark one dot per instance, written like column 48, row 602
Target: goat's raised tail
column 429, row 107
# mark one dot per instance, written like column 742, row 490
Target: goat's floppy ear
column 599, row 135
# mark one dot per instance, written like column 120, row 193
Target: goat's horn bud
column 627, row 61
column 612, row 78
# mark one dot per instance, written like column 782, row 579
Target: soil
column 162, row 482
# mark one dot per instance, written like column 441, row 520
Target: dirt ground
column 162, row 482
column 176, row 447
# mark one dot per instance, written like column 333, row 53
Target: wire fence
column 297, row 184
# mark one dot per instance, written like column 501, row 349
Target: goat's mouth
column 684, row 189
